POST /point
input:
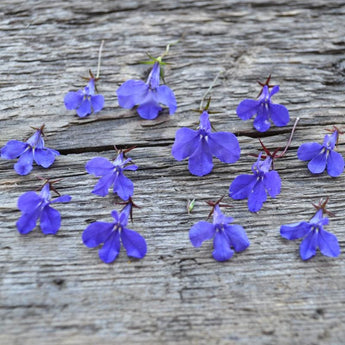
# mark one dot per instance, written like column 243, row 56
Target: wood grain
column 54, row 290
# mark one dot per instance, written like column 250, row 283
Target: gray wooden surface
column 54, row 290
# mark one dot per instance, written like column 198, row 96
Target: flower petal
column 279, row 114
column 318, row 164
column 134, row 243
column 261, row 122
column 123, row 186
column 247, row 109
column 96, row 233
column 201, row 232
column 28, row 202
column 73, row 99
column 13, row 149
column 150, row 109
column 200, row 162
column 50, row 220
column 24, row 164
column 241, row 186
column 27, row 222
column 328, row 244
column 131, row 93
column 97, row 103
column 222, row 250
column 308, row 151
column 257, row 196
column 165, row 95
column 63, row 198
column 111, row 248
column 186, row 142
column 335, row 164
column 224, row 146
column 295, row 230
column 43, row 157
column 309, row 245
column 272, row 183
column 103, row 185
column 237, row 236
column 99, row 166
column 85, row 108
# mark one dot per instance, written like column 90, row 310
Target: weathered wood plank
column 54, row 290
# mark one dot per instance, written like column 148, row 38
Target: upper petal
column 99, row 166
column 44, row 157
column 96, row 233
column 200, row 162
column 237, row 236
column 63, row 198
column 165, row 95
column 201, row 232
column 295, row 230
column 279, row 114
column 131, row 93
column 272, row 183
column 224, row 146
column 222, row 250
column 24, row 164
column 318, row 164
column 308, row 151
column 257, row 196
column 84, row 108
column 309, row 245
column 186, row 142
column 134, row 243
column 247, row 109
column 50, row 220
column 335, row 164
column 328, row 244
column 241, row 186
column 111, row 248
column 97, row 103
column 13, row 149
column 73, row 99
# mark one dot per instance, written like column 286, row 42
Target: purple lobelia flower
column 323, row 155
column 264, row 110
column 255, row 187
column 112, row 174
column 34, row 207
column 149, row 96
column 111, row 234
column 32, row 149
column 314, row 236
column 85, row 99
column 200, row 145
column 225, row 236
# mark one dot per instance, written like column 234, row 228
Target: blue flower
column 32, row 149
column 225, row 236
column 314, row 236
column 255, row 187
column 110, row 234
column 147, row 95
column 83, row 100
column 321, row 156
column 34, row 206
column 202, row 144
column 264, row 109
column 112, row 174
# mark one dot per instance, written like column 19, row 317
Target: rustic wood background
column 53, row 289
